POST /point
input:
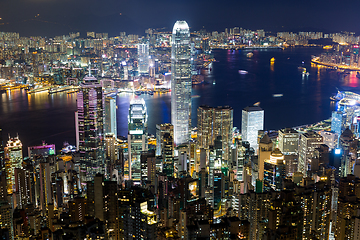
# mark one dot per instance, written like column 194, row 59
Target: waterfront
column 305, row 99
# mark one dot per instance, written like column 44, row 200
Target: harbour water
column 299, row 99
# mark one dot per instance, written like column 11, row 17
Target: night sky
column 57, row 17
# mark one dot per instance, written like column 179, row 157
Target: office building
column 44, row 150
column 309, row 141
column 252, row 122
column 330, row 139
column 214, row 122
column 162, row 147
column 14, row 158
column 348, row 146
column 2, row 153
column 180, row 82
column 143, row 58
column 265, row 150
column 338, row 120
column 110, row 116
column 89, row 127
column 288, row 141
column 274, row 171
column 137, row 138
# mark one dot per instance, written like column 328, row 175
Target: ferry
column 249, row 55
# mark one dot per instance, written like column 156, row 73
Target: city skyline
column 42, row 17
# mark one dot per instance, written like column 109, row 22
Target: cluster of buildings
column 342, row 56
column 205, row 183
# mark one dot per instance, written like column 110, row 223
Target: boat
column 276, row 95
column 249, row 55
column 272, row 60
column 243, row 72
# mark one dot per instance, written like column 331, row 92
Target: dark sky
column 58, row 17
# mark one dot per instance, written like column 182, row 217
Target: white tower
column 180, row 82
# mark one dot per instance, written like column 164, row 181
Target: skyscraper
column 309, row 141
column 110, row 116
column 137, row 137
column 89, row 126
column 143, row 58
column 213, row 122
column 2, row 154
column 252, row 122
column 14, row 157
column 180, row 82
column 288, row 141
column 165, row 146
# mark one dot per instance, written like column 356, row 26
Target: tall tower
column 214, row 122
column 180, row 82
column 252, row 122
column 348, row 145
column 309, row 141
column 14, row 157
column 110, row 116
column 137, row 138
column 89, row 127
column 143, row 57
column 2, row 154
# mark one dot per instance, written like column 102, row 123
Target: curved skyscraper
column 180, row 82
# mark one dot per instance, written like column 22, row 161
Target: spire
column 89, row 68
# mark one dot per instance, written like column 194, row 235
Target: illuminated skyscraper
column 143, row 58
column 137, row 138
column 288, row 141
column 348, row 145
column 2, row 154
column 165, row 146
column 89, row 127
column 338, row 120
column 110, row 116
column 14, row 157
column 180, row 82
column 252, row 122
column 309, row 141
column 213, row 122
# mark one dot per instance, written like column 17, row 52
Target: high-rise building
column 330, row 139
column 137, row 137
column 252, row 122
column 44, row 150
column 265, row 150
column 89, row 127
column 309, row 141
column 143, row 58
column 274, row 171
column 288, row 141
column 14, row 158
column 165, row 146
column 2, row 154
column 348, row 146
column 180, row 82
column 338, row 120
column 214, row 122
column 110, row 116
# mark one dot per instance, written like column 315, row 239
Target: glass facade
column 89, row 128
column 252, row 122
column 137, row 138
column 143, row 57
column 180, row 82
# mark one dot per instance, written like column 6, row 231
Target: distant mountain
column 45, row 26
